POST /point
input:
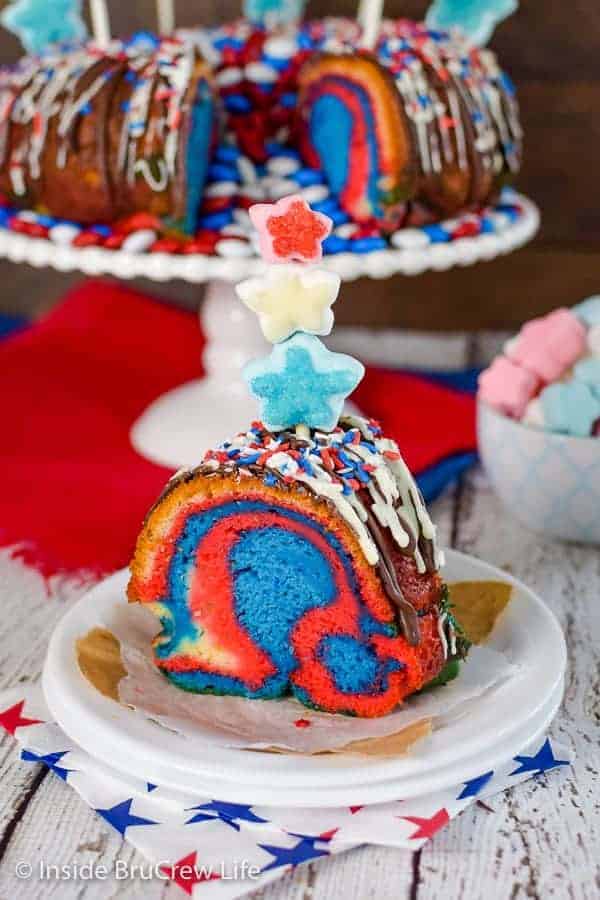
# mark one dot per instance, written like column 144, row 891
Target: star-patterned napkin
column 225, row 850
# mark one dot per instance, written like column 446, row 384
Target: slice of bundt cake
column 92, row 134
column 425, row 126
column 297, row 564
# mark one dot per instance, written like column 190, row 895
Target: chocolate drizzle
column 407, row 614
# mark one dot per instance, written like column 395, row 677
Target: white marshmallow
column 593, row 339
column 534, row 414
column 64, row 234
column 316, row 193
column 409, row 239
column 139, row 241
column 230, row 247
column 283, row 165
column 280, row 47
column 229, row 77
column 261, row 73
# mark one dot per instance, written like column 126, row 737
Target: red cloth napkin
column 74, row 491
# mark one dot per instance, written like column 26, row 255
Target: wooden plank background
column 552, row 50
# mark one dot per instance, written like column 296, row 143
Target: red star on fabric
column 328, row 835
column 11, row 718
column 355, row 809
column 427, row 827
column 186, row 873
column 290, row 230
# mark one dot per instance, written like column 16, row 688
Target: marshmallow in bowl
column 589, row 311
column 593, row 340
column 588, row 372
column 534, row 414
column 550, row 345
column 570, row 408
column 549, row 374
column 508, row 387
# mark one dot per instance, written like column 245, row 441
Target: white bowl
column 550, row 482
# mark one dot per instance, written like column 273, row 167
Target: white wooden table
column 540, row 841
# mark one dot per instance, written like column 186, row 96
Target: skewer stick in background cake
column 298, row 557
column 100, row 22
column 369, row 18
column 166, row 16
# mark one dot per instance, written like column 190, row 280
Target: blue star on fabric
column 228, row 813
column 40, row 23
column 303, row 851
column 477, row 18
column 543, row 761
column 475, row 785
column 50, row 760
column 301, row 382
column 120, row 817
column 150, row 787
column 273, row 12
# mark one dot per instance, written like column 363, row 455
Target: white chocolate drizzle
column 342, row 467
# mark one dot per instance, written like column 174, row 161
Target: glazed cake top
column 348, row 466
column 65, row 81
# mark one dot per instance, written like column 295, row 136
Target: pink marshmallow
column 508, row 387
column 549, row 346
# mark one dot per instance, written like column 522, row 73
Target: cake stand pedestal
column 178, row 427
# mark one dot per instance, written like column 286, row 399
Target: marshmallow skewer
column 301, row 384
column 166, row 16
column 100, row 22
column 370, row 13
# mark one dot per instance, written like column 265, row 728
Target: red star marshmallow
column 290, row 230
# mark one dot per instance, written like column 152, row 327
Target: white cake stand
column 176, row 429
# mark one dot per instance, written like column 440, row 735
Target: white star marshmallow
column 291, row 298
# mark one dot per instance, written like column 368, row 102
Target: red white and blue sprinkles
column 337, row 466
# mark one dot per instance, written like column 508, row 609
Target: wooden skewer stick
column 166, row 16
column 100, row 22
column 370, row 13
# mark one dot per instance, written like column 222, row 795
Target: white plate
column 196, row 268
column 497, row 727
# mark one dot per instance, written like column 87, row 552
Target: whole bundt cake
column 304, row 566
column 422, row 127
